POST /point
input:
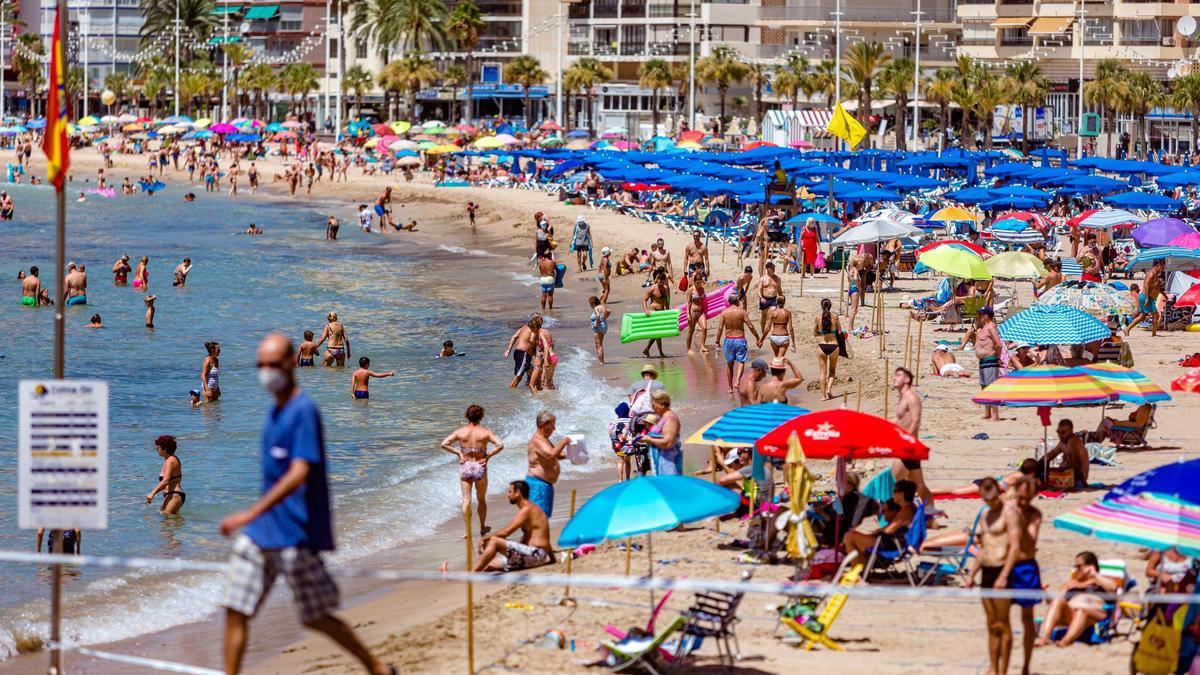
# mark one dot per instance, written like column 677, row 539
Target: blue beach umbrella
column 1144, row 200
column 1053, row 325
column 1176, row 259
column 644, row 505
column 1010, row 225
column 1177, row 479
column 36, row 124
column 801, row 218
column 747, row 424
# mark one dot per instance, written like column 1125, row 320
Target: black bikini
column 168, row 493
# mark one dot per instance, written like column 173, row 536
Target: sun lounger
column 629, row 653
column 939, row 564
column 1131, row 434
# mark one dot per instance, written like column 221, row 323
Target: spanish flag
column 54, row 142
column 844, row 126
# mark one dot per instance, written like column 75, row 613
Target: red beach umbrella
column 1190, row 297
column 827, row 434
column 758, row 144
column 1081, row 216
column 973, row 247
column 1189, row 381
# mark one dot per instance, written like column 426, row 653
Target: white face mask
column 272, row 379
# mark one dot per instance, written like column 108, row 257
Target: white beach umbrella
column 126, row 118
column 872, row 232
column 1106, row 218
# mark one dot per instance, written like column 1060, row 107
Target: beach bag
column 550, row 242
column 1061, row 479
column 683, row 284
column 1158, row 650
column 819, row 263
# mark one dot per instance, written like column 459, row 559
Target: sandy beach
column 421, row 627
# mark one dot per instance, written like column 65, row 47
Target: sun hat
column 649, row 368
column 605, row 251
column 778, row 363
column 941, row 348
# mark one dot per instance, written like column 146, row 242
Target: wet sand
column 421, row 627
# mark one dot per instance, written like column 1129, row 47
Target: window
column 360, row 49
column 290, row 18
column 1141, row 32
column 978, row 34
column 1015, row 37
column 728, row 33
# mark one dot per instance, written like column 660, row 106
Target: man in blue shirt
column 290, row 524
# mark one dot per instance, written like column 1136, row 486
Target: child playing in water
column 307, row 351
column 150, row 310
column 447, row 350
column 364, row 217
column 358, row 382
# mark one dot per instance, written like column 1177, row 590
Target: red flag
column 54, row 142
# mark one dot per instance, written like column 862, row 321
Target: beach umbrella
column 753, row 145
column 401, row 127
column 1015, row 265
column 404, row 153
column 109, row 119
column 871, row 232
column 89, row 121
column 955, row 262
column 550, row 142
column 506, row 139
column 1010, row 225
column 550, row 125
column 170, row 130
column 841, row 432
column 223, row 129
column 1144, row 200
column 644, row 505
column 688, row 145
column 1036, row 219
column 1160, row 232
column 1189, row 240
column 1019, row 237
column 1156, row 509
column 126, row 118
column 404, row 144
column 382, row 129
column 387, row 140
column 801, row 144
column 426, row 145
column 1190, row 297
column 202, row 123
column 1130, row 385
column 1108, row 218
column 952, row 214
column 577, row 133
column 1176, row 259
column 966, row 245
column 291, row 124
column 176, row 119
column 488, row 143
column 408, row 161
column 802, row 218
column 371, row 143
column 443, row 149
column 1053, row 325
column 1099, row 300
column 433, row 124
column 745, row 425
column 1189, row 381
column 1046, row 386
column 132, row 127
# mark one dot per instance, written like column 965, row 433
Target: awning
column 814, row 118
column 227, row 9
column 261, row 12
column 1050, row 25
column 1002, row 22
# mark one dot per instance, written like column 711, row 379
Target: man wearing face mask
column 290, row 525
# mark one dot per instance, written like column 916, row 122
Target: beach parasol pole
column 841, row 287
column 802, row 277
column 628, row 549
column 713, row 462
column 908, row 343
column 917, row 350
column 567, row 591
column 470, row 594
column 858, row 397
column 886, row 392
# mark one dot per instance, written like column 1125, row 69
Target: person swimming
column 447, row 350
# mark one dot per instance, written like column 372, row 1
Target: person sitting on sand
column 1080, row 604
column 1074, row 454
column 943, row 363
column 899, row 513
column 533, row 550
column 1028, row 467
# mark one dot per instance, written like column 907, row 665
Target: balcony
column 579, row 48
column 634, row 9
column 665, row 11
column 603, row 49
column 579, row 10
column 604, row 10
column 816, row 11
column 633, row 49
column 668, row 49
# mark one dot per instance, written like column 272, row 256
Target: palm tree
column 27, row 66
column 258, row 78
column 1028, row 87
column 654, row 75
column 1107, row 89
column 157, row 78
column 758, row 75
column 896, row 80
column 423, row 23
column 860, row 66
column 722, row 68
column 196, row 18
column 198, row 83
column 358, row 80
column 118, row 83
column 989, row 92
column 1143, row 95
column 408, row 75
column 584, row 75
column 526, row 71
column 1185, row 95
column 788, row 83
column 298, row 80
column 379, row 22
column 75, row 85
column 453, row 78
column 464, row 26
column 823, row 81
column 237, row 55
column 966, row 71
column 940, row 90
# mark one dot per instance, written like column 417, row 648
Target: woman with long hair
column 695, row 311
column 826, row 328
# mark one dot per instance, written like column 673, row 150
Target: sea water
column 398, row 300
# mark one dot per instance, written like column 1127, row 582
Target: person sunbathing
column 1116, row 430
column 943, row 363
column 1028, row 467
column 898, row 512
column 1080, row 605
column 533, row 549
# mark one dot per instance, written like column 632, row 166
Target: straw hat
column 649, row 368
column 778, row 363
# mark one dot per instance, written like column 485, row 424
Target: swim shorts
column 1026, row 576
column 253, row 570
column 542, row 494
column 767, row 303
column 735, row 350
column 29, row 301
column 520, row 556
column 1147, row 305
column 361, row 394
column 77, row 300
column 521, row 362
column 989, row 371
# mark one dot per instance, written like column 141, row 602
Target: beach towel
column 945, row 496
column 881, row 486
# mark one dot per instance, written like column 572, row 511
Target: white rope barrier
column 142, row 661
column 806, row 588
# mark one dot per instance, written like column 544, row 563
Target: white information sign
column 63, row 454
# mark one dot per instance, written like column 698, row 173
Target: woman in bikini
column 826, row 328
column 600, row 314
column 210, row 375
column 472, row 452
column 781, row 333
column 695, row 312
column 339, row 343
column 170, row 479
column 141, row 277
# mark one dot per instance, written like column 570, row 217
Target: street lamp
column 176, row 57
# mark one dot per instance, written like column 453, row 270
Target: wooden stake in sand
column 887, row 391
column 470, row 595
column 628, row 553
column 917, row 351
column 858, row 397
column 713, row 462
column 841, row 287
column 907, row 342
column 567, row 591
column 802, row 277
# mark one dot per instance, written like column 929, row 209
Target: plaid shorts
column 252, row 573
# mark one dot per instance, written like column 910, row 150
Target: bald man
column 290, row 525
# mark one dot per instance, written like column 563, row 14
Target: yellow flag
column 844, row 126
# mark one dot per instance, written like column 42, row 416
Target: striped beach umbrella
column 1099, row 300
column 1053, row 325
column 1109, row 218
column 745, row 425
column 1152, row 520
column 1046, row 386
column 1130, row 385
column 1189, row 381
column 1021, row 237
column 1176, row 259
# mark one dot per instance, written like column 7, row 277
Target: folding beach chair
column 900, row 555
column 1105, row 629
column 935, row 565
column 636, row 652
column 1130, row 434
column 848, row 577
column 714, row 615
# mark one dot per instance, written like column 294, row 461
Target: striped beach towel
column 1071, row 268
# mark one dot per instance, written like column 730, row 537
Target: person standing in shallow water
column 170, row 478
column 472, row 452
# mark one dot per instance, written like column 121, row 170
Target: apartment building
column 1058, row 34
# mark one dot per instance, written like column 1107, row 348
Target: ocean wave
column 473, row 252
